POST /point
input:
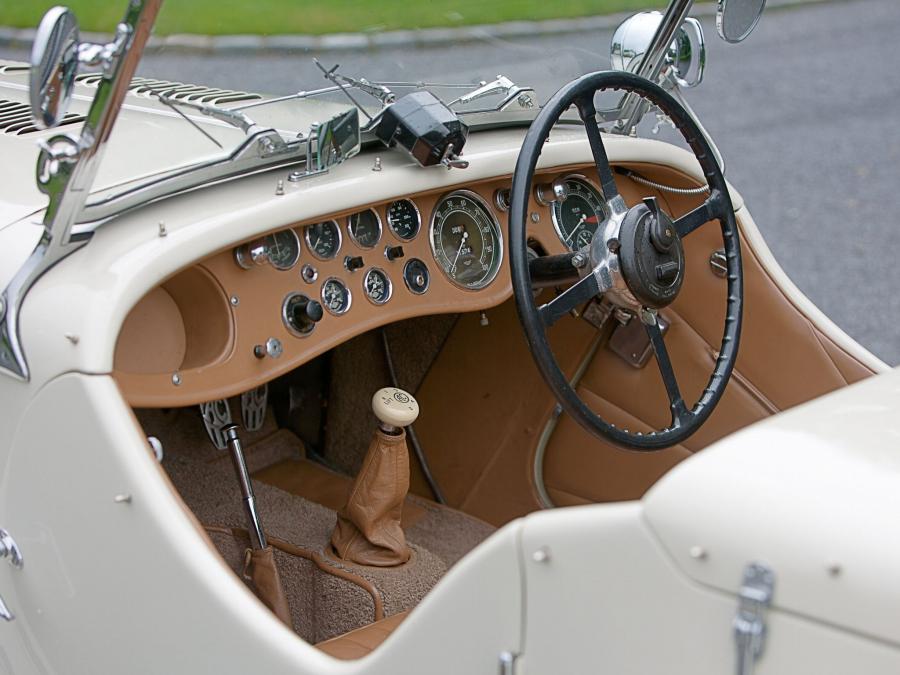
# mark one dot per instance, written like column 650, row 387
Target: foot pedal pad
column 216, row 416
column 253, row 407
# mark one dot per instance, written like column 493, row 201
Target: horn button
column 651, row 255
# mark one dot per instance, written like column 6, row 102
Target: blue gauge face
column 403, row 219
column 364, row 228
column 465, row 239
column 578, row 216
column 323, row 239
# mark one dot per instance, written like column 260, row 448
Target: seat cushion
column 357, row 643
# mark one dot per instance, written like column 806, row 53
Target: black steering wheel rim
column 717, row 206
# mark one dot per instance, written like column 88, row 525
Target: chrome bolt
column 535, row 217
column 235, row 301
column 176, row 379
column 698, row 553
column 279, row 187
column 377, row 165
column 579, row 260
column 542, row 555
column 162, row 229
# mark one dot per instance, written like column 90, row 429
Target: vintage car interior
column 353, row 376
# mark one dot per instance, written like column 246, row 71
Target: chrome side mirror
column 736, row 19
column 686, row 55
column 54, row 64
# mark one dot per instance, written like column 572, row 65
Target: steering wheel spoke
column 711, row 209
column 679, row 410
column 575, row 295
column 588, row 113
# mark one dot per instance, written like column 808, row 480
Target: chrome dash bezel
column 552, row 206
column 388, row 283
column 353, row 237
column 346, row 288
column 387, row 216
column 340, row 239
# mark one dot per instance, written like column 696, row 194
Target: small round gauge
column 465, row 240
column 377, row 286
column 323, row 239
column 364, row 228
column 578, row 216
column 415, row 276
column 336, row 296
column 283, row 249
column 404, row 219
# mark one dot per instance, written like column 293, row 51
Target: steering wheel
column 635, row 258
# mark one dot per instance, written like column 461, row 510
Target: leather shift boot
column 260, row 568
column 368, row 528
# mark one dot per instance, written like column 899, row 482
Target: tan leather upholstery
column 368, row 528
column 359, row 642
column 261, row 569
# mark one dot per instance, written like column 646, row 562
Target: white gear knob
column 395, row 407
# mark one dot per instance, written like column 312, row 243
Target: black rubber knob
column 305, row 315
column 393, row 252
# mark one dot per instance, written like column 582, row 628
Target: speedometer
column 466, row 240
column 577, row 217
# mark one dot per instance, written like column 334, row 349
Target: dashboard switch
column 353, row 263
column 393, row 252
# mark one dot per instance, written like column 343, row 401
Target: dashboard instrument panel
column 435, row 252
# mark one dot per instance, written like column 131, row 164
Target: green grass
column 271, row 17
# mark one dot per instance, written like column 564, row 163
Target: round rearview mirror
column 686, row 55
column 54, row 64
column 736, row 19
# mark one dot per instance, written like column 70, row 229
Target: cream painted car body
column 127, row 585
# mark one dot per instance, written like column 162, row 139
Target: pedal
column 253, row 407
column 216, row 416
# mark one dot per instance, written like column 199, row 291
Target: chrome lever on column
column 9, row 549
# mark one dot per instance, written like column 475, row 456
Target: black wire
column 410, row 432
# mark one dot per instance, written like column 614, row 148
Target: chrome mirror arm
column 66, row 168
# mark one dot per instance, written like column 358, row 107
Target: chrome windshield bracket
column 66, row 168
column 755, row 597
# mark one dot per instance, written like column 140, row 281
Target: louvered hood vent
column 142, row 86
column 16, row 120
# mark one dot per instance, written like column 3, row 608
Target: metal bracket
column 216, row 416
column 631, row 343
column 749, row 622
column 253, row 407
column 508, row 663
column 9, row 549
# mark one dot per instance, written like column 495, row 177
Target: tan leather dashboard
column 194, row 338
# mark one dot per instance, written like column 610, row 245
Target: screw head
column 235, row 301
column 176, row 379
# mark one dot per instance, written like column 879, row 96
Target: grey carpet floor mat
column 323, row 605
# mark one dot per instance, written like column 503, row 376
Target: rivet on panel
column 235, row 301
column 162, row 229
column 541, row 555
column 122, row 499
column 698, row 553
column 279, row 187
column 535, row 217
column 176, row 379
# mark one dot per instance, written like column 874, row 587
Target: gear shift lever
column 368, row 528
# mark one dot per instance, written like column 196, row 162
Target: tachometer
column 364, row 228
column 576, row 217
column 466, row 240
column 323, row 239
column 403, row 219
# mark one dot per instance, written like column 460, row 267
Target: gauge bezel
column 496, row 224
column 299, row 250
column 427, row 276
column 388, row 283
column 325, row 304
column 284, row 316
column 353, row 236
column 387, row 215
column 553, row 218
column 340, row 239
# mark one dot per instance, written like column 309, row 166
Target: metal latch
column 9, row 549
column 749, row 623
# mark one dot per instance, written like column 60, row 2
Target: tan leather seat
column 357, row 643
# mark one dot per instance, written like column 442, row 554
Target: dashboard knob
column 547, row 193
column 353, row 263
column 301, row 313
column 395, row 407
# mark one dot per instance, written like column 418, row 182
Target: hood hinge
column 749, row 623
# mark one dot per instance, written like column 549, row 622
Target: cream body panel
column 814, row 493
column 134, row 588
column 608, row 599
